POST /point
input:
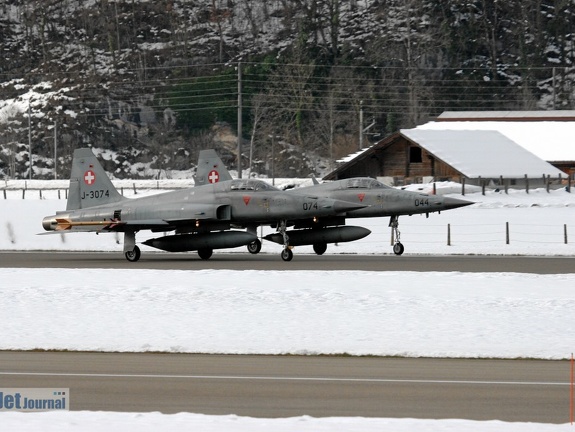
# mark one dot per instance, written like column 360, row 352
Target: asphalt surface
column 244, row 260
column 272, row 386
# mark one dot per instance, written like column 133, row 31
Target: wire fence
column 503, row 233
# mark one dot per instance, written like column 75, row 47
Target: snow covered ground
column 279, row 312
column 86, row 421
column 393, row 313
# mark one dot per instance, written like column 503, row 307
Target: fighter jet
column 201, row 216
column 379, row 200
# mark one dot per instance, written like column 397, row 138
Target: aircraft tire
column 205, row 254
column 133, row 255
column 287, row 254
column 398, row 248
column 319, row 248
column 255, row 247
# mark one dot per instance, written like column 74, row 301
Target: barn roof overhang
column 355, row 159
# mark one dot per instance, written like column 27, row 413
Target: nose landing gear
column 397, row 245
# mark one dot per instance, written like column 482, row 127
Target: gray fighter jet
column 379, row 200
column 201, row 217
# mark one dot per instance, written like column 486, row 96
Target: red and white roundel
column 89, row 177
column 213, row 176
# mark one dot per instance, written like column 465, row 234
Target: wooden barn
column 419, row 155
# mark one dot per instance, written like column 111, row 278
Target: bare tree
column 259, row 111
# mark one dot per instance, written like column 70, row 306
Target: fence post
column 4, row 193
column 434, row 189
column 546, row 179
column 565, row 233
column 463, row 186
column 24, row 193
column 448, row 234
column 526, row 183
column 58, row 193
column 506, row 232
column 134, row 186
column 507, row 186
column 40, row 193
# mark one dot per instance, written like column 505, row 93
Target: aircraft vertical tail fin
column 89, row 183
column 211, row 169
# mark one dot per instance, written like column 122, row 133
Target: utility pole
column 55, row 150
column 360, row 125
column 273, row 161
column 30, row 140
column 239, row 120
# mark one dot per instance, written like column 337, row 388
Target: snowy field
column 86, row 421
column 503, row 315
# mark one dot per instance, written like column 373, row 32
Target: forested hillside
column 155, row 81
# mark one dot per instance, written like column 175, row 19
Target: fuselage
column 381, row 200
column 235, row 201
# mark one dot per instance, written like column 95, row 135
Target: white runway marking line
column 272, row 378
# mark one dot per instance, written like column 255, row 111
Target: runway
column 270, row 386
column 246, row 261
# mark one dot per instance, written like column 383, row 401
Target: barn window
column 415, row 155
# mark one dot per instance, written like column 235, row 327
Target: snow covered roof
column 352, row 156
column 487, row 153
column 549, row 140
column 563, row 115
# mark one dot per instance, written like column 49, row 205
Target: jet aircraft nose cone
column 453, row 203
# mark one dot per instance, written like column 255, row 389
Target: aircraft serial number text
column 96, row 194
column 310, row 206
column 421, row 202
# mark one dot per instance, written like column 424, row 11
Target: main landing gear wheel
column 319, row 248
column 287, row 254
column 398, row 248
column 205, row 253
column 255, row 247
column 394, row 224
column 133, row 255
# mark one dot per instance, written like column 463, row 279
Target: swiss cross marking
column 361, row 197
column 213, row 176
column 247, row 199
column 89, row 177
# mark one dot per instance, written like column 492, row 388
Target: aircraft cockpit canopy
column 251, row 185
column 365, row 183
